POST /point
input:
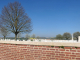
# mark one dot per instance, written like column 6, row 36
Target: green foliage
column 52, row 46
column 31, row 40
column 59, row 36
column 75, row 35
column 15, row 44
column 70, row 48
column 76, row 47
column 61, row 47
column 5, row 43
column 49, row 46
column 67, row 36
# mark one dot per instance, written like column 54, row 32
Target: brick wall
column 33, row 52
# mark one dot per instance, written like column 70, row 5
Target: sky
column 50, row 17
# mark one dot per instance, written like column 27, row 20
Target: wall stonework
column 35, row 52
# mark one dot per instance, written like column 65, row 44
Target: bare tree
column 33, row 36
column 4, row 32
column 15, row 19
column 27, row 36
column 19, row 35
column 38, row 37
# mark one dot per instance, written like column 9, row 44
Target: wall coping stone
column 73, row 44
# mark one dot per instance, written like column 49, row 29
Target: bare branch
column 15, row 19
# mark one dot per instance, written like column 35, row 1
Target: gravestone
column 78, row 38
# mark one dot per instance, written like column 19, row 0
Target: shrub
column 31, row 40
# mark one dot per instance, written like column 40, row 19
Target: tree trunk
column 15, row 36
column 77, row 39
column 4, row 37
column 66, row 38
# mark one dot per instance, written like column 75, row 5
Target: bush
column 31, row 40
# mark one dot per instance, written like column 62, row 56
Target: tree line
column 68, row 36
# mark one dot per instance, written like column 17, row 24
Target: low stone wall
column 20, row 50
column 74, row 44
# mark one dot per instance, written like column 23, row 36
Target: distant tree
column 4, row 32
column 76, row 34
column 19, row 35
column 67, row 36
column 52, row 38
column 27, row 36
column 59, row 36
column 38, row 37
column 15, row 19
column 33, row 36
